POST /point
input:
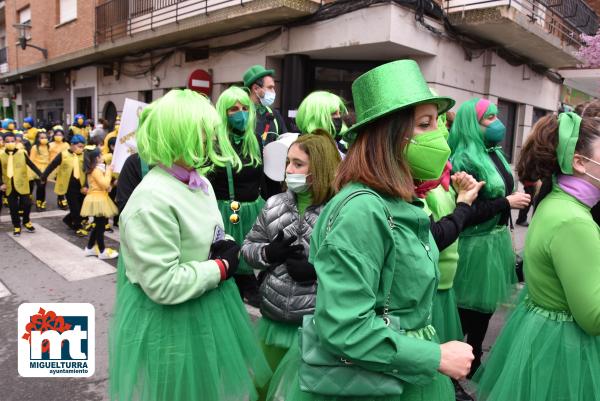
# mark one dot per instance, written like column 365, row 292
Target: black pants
column 474, row 325
column 530, row 190
column 40, row 190
column 97, row 233
column 74, row 200
column 247, row 284
column 17, row 202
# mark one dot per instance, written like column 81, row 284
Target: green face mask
column 427, row 155
column 239, row 120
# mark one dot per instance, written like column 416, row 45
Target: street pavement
column 49, row 266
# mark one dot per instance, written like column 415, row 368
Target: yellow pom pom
column 235, row 206
column 234, row 219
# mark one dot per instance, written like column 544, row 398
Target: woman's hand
column 229, row 252
column 518, row 200
column 466, row 187
column 456, row 359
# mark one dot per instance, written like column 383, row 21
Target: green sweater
column 562, row 259
column 355, row 262
column 441, row 203
column 166, row 233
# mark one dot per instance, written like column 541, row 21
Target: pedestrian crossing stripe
column 38, row 215
column 4, row 292
column 69, row 262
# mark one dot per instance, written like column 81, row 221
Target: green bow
column 568, row 134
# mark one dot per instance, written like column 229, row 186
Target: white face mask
column 296, row 182
column 268, row 99
column 101, row 166
column 593, row 177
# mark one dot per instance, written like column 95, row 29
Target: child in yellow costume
column 79, row 127
column 112, row 134
column 13, row 181
column 29, row 129
column 40, row 156
column 57, row 146
column 97, row 204
column 70, row 182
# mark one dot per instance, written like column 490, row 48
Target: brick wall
column 46, row 32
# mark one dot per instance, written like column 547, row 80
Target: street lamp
column 24, row 30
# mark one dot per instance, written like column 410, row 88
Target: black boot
column 460, row 393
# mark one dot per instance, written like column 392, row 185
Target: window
column 25, row 18
column 67, row 10
column 25, row 15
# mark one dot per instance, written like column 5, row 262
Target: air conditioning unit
column 45, row 81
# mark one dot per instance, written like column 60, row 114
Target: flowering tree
column 590, row 51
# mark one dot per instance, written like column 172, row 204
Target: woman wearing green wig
column 323, row 110
column 486, row 264
column 549, row 348
column 238, row 188
column 180, row 331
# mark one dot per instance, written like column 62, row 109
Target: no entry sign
column 200, row 81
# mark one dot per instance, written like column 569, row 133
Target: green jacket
column 355, row 266
column 166, row 233
column 562, row 259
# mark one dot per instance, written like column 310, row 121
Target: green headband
column 568, row 134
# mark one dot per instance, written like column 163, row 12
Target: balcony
column 186, row 19
column 545, row 31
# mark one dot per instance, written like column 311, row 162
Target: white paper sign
column 126, row 144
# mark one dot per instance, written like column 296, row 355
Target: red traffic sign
column 200, row 81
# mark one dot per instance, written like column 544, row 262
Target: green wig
column 315, row 112
column 182, row 126
column 250, row 147
column 469, row 151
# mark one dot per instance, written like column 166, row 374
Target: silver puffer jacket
column 282, row 298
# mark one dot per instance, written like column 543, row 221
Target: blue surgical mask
column 494, row 133
column 238, row 120
column 268, row 99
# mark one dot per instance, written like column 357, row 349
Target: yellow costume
column 17, row 169
column 97, row 203
column 66, row 169
column 40, row 156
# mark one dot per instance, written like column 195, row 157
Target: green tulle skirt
column 444, row 316
column 202, row 349
column 248, row 213
column 276, row 338
column 486, row 270
column 285, row 384
column 541, row 355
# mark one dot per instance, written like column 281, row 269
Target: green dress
column 486, row 266
column 352, row 261
column 445, row 319
column 549, row 349
column 178, row 333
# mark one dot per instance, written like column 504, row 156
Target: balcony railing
column 564, row 19
column 119, row 18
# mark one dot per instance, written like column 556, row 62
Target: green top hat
column 389, row 88
column 256, row 72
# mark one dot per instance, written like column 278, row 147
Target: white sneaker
column 90, row 251
column 108, row 254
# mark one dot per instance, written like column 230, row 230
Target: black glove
column 227, row 250
column 300, row 269
column 280, row 249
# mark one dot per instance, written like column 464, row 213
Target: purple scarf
column 580, row 189
column 191, row 177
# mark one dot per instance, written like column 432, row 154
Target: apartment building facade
column 99, row 53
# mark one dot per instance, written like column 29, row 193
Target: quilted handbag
column 324, row 373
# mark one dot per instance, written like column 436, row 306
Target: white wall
column 83, row 78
